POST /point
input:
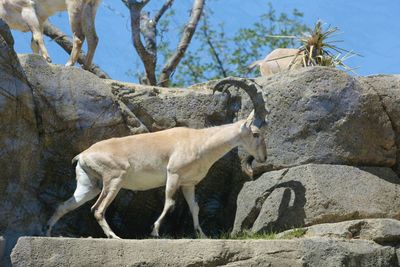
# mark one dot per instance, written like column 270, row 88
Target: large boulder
column 323, row 115
column 388, row 89
column 312, row 194
column 36, row 251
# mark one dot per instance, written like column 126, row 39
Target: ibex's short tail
column 75, row 159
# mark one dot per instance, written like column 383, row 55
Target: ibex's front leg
column 170, row 189
column 75, row 15
column 188, row 193
column 37, row 43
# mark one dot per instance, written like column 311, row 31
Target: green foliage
column 295, row 233
column 216, row 52
column 248, row 235
column 318, row 48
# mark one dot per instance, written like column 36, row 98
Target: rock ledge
column 39, row 251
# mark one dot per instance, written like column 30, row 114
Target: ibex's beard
column 247, row 166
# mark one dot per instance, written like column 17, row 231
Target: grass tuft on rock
column 295, row 233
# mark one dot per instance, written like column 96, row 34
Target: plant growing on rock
column 318, row 48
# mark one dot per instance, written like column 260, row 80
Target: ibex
column 175, row 158
column 30, row 15
column 279, row 60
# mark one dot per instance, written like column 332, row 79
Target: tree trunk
column 187, row 35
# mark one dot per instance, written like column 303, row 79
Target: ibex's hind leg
column 74, row 13
column 170, row 189
column 188, row 193
column 86, row 190
column 89, row 30
column 109, row 192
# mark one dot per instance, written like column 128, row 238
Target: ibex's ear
column 244, row 128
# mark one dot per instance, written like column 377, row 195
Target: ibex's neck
column 221, row 140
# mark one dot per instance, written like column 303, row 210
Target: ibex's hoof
column 201, row 235
column 47, row 230
column 86, row 67
column 154, row 233
column 48, row 60
column 114, row 236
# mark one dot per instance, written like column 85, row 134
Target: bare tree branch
column 187, row 35
column 143, row 26
column 149, row 32
column 148, row 58
column 62, row 40
column 162, row 10
column 214, row 52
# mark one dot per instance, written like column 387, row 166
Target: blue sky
column 369, row 27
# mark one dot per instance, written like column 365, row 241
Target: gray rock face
column 34, row 251
column 388, row 88
column 313, row 194
column 381, row 231
column 158, row 108
column 19, row 146
column 323, row 115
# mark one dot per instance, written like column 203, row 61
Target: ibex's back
column 143, row 158
column 279, row 60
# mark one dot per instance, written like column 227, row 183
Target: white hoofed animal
column 30, row 15
column 279, row 60
column 175, row 158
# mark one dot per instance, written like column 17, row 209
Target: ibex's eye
column 256, row 135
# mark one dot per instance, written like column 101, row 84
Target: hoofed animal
column 279, row 60
column 30, row 15
column 174, row 158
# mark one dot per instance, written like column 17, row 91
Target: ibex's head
column 253, row 129
column 252, row 136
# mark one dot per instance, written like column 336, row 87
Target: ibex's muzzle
column 247, row 166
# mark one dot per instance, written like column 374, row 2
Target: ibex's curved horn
column 252, row 89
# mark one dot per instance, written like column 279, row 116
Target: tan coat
column 279, row 60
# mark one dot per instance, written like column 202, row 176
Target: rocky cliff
column 333, row 152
